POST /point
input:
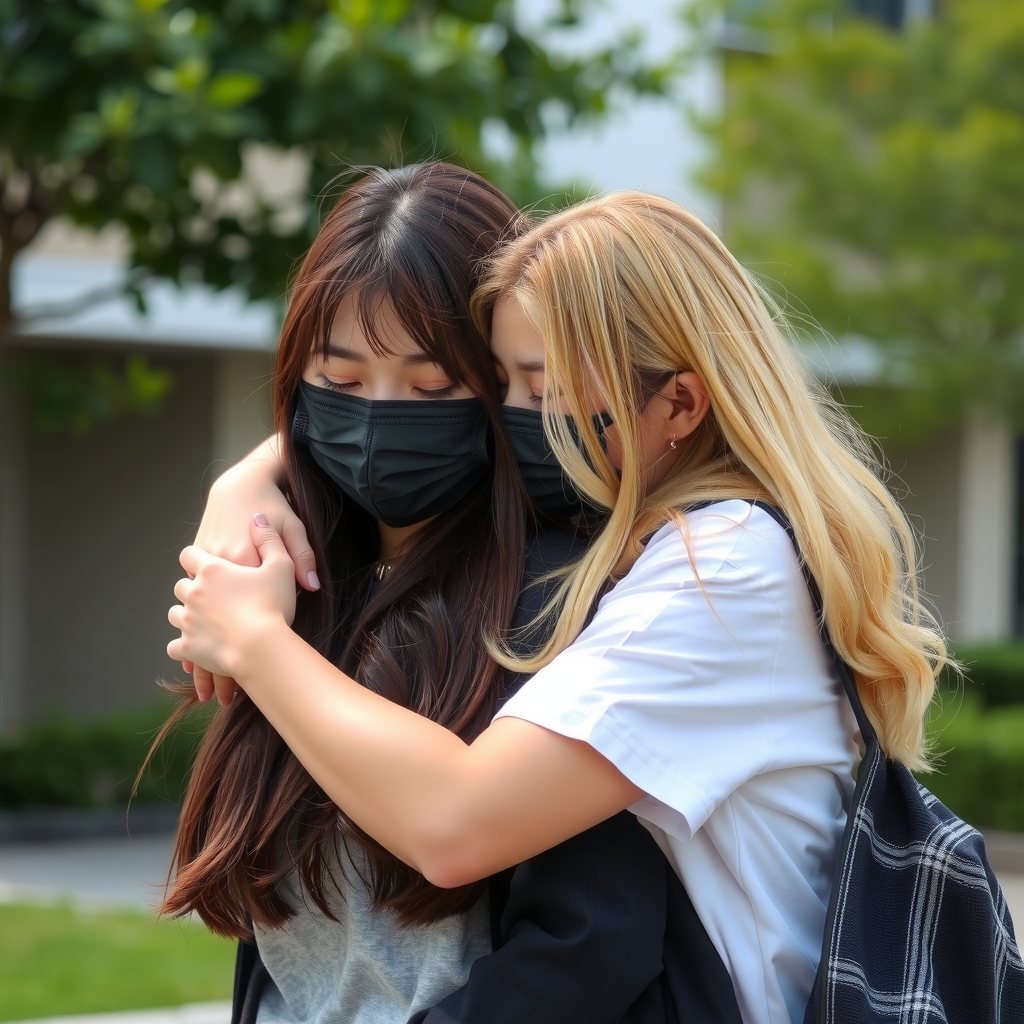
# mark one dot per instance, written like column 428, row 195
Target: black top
column 597, row 930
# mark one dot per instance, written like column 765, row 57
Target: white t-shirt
column 707, row 685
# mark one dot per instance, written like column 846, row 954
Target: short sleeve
column 677, row 681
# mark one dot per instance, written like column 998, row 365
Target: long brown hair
column 414, row 238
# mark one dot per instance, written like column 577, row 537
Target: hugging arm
column 581, row 935
column 453, row 811
column 252, row 484
column 578, row 930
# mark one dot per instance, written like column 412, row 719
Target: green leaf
column 84, row 134
column 878, row 177
column 162, row 80
column 233, row 88
column 190, row 73
column 117, row 111
column 147, row 94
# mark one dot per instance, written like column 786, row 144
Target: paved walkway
column 196, row 1013
column 91, row 872
column 130, row 873
column 1013, row 889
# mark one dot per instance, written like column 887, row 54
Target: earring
column 672, row 443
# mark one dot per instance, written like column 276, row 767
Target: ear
column 686, row 405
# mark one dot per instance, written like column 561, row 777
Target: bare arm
column 252, row 483
column 456, row 812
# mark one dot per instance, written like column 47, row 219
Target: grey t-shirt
column 364, row 968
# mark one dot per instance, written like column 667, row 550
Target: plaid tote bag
column 917, row 931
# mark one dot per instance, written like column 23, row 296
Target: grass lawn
column 56, row 960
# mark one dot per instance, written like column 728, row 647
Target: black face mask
column 401, row 461
column 550, row 490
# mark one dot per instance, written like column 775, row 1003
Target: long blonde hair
column 627, row 290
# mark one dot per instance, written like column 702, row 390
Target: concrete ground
column 92, row 872
column 196, row 1013
column 130, row 873
column 1013, row 889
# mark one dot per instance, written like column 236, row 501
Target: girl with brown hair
column 397, row 464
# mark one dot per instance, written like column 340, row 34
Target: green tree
column 156, row 114
column 876, row 177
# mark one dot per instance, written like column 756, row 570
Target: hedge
column 995, row 672
column 977, row 731
column 979, row 754
column 61, row 762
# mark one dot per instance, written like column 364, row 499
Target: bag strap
column 867, row 730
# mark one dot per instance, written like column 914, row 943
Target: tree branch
column 84, row 302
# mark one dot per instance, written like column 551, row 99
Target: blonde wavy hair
column 628, row 290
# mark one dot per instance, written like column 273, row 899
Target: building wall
column 106, row 514
column 988, row 544
column 12, row 554
column 102, row 517
column 242, row 414
column 961, row 493
column 926, row 480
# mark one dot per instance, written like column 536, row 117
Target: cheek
column 613, row 446
column 517, row 392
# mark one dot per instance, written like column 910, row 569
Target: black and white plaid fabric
column 918, row 931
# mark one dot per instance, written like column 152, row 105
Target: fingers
column 204, row 683
column 192, row 559
column 176, row 649
column 225, row 688
column 176, row 617
column 267, row 540
column 293, row 534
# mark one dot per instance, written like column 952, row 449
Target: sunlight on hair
column 631, row 285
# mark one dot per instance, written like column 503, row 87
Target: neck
column 395, row 540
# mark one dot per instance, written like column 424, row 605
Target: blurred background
column 164, row 163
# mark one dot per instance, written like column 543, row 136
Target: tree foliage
column 167, row 116
column 877, row 177
column 76, row 394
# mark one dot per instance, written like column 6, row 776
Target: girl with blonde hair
column 700, row 694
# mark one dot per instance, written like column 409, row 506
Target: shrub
column 61, row 762
column 980, row 758
column 994, row 671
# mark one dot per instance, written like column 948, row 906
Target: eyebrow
column 535, row 367
column 341, row 352
column 418, row 358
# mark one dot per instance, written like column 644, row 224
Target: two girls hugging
column 549, row 731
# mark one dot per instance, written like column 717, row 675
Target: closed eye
column 334, row 385
column 436, row 393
